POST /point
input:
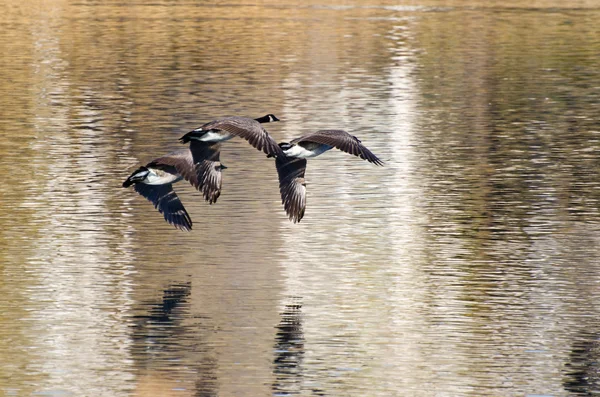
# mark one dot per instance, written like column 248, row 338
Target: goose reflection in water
column 582, row 372
column 163, row 338
column 289, row 351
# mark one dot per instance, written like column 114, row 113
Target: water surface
column 468, row 265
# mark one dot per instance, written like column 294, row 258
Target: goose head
column 269, row 118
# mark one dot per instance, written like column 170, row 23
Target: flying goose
column 198, row 164
column 206, row 141
column 228, row 127
column 292, row 165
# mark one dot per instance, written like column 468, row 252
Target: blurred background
column 468, row 265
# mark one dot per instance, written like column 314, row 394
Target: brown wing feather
column 250, row 130
column 167, row 202
column 208, row 168
column 183, row 162
column 343, row 141
column 199, row 164
column 211, row 179
column 292, row 186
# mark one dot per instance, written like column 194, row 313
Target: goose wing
column 250, row 130
column 292, row 186
column 183, row 162
column 207, row 166
column 167, row 202
column 200, row 165
column 343, row 141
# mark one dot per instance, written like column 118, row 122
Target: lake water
column 469, row 265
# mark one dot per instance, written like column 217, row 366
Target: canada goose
column 198, row 164
column 205, row 143
column 226, row 128
column 292, row 166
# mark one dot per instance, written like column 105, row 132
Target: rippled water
column 468, row 265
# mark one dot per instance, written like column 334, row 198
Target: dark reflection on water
column 169, row 345
column 289, row 351
column 582, row 373
column 160, row 330
column 469, row 265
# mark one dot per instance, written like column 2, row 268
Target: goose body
column 304, row 150
column 292, row 166
column 155, row 176
column 214, row 136
column 228, row 127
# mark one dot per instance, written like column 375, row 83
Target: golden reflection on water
column 467, row 265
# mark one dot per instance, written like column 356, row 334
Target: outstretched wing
column 199, row 164
column 250, row 130
column 292, row 186
column 183, row 162
column 207, row 166
column 342, row 141
column 166, row 201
